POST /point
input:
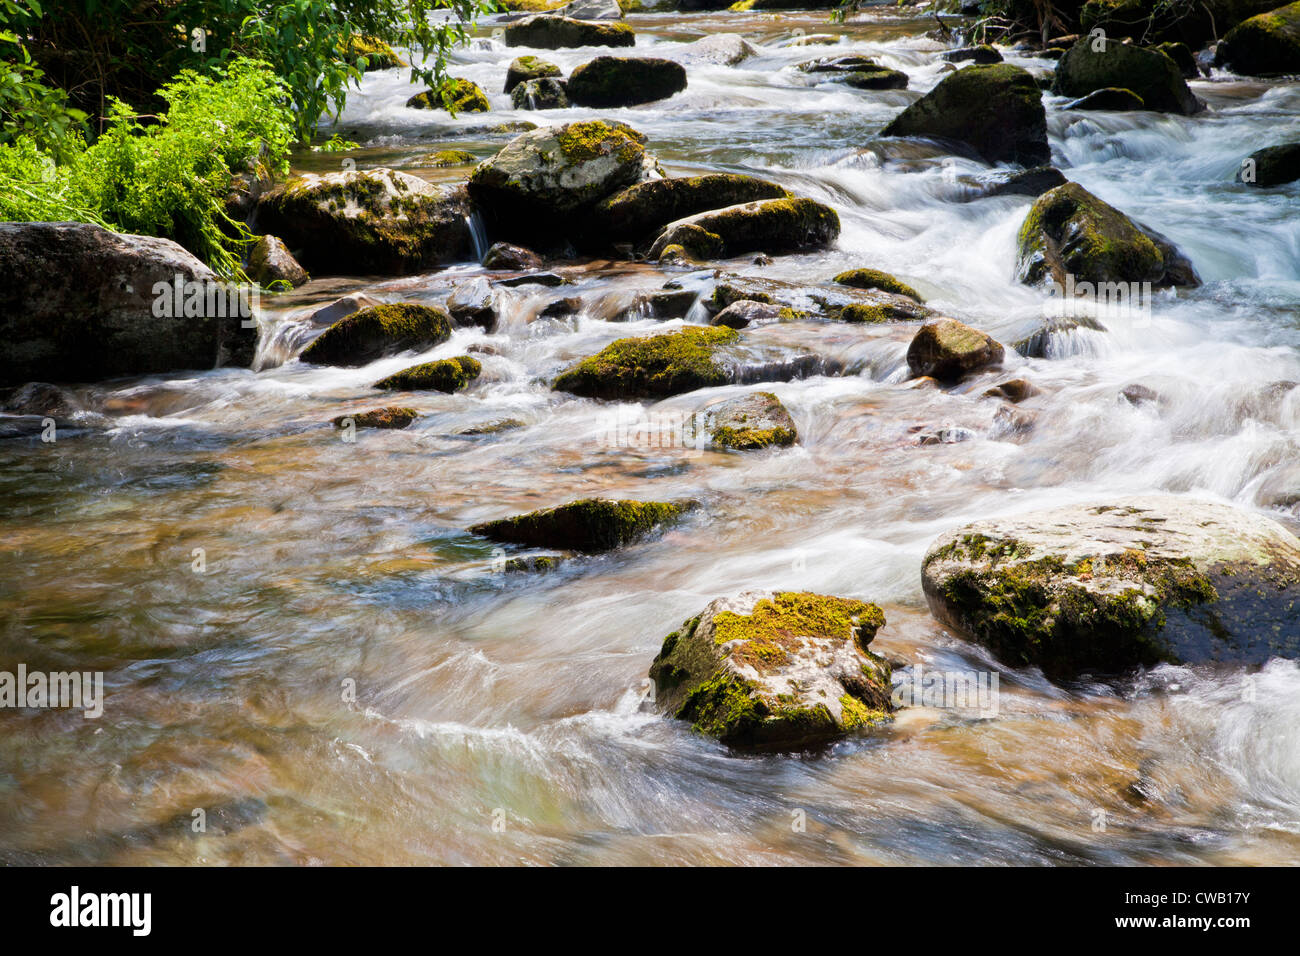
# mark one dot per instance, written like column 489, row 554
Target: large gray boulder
column 79, row 303
column 373, row 221
column 1121, row 583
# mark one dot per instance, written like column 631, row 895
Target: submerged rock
column 1182, row 56
column 525, row 68
column 625, row 81
column 770, row 225
column 536, row 184
column 776, row 670
column 270, row 261
column 457, row 96
column 555, row 33
column 378, row 332
column 547, row 93
column 1093, row 64
column 875, row 279
column 981, row 55
column 390, row 416
column 654, row 366
column 947, row 349
column 721, row 49
column 745, row 312
column 1029, row 182
column 997, row 110
column 1110, row 99
column 473, row 303
column 640, row 211
column 1264, row 45
column 1272, row 166
column 444, row 158
column 503, row 255
column 756, row 420
column 1121, row 584
column 377, row 220
column 79, row 303
column 444, row 375
column 588, row 526
column 856, row 71
column 1070, row 232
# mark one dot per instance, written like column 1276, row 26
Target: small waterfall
column 478, row 234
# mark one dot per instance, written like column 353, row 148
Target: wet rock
column 877, row 312
column 875, row 279
column 844, row 303
column 1264, row 45
column 589, row 10
column 535, row 563
column 1272, row 166
column 949, row 435
column 756, row 420
column 561, row 308
column 776, row 670
column 341, row 308
column 79, row 303
column 981, row 55
column 457, row 96
column 642, row 210
column 544, row 177
column 997, row 110
column 745, row 312
column 495, row 427
column 444, row 158
column 857, row 71
column 1107, row 587
column 504, row 256
column 663, row 304
column 1139, row 394
column 1110, row 99
column 473, row 303
column 1014, row 390
column 270, row 261
column 686, row 242
column 370, row 54
column 625, row 81
column 390, row 416
column 771, row 225
column 444, row 375
column 544, row 94
column 1092, row 65
column 378, row 332
column 555, row 33
column 588, row 526
column 1182, row 56
column 721, row 49
column 1029, row 182
column 548, row 279
column 1052, row 338
column 1070, row 232
column 41, row 399
column 651, row 367
column 947, row 350
column 373, row 221
column 525, row 68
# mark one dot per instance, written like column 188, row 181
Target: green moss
column 381, row 330
column 1095, row 242
column 652, row 367
column 772, row 627
column 724, row 707
column 724, row 294
column 444, row 375
column 856, row 714
column 392, row 416
column 866, row 314
column 451, row 157
column 641, row 209
column 370, row 53
column 456, row 95
column 746, row 439
column 875, row 279
column 594, row 139
column 590, row 525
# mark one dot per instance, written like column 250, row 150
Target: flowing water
column 497, row 718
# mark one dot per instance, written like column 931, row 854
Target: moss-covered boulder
column 776, row 670
column 443, row 158
column 1265, row 45
column 749, row 422
column 556, row 33
column 1095, row 64
column 79, row 303
column 378, row 332
column 996, row 110
column 525, row 68
column 1183, row 56
column 947, row 349
column 1272, row 166
column 1070, row 232
column 769, row 225
column 794, row 301
column 857, row 71
column 655, row 366
column 456, row 96
column 1107, row 587
column 547, row 93
column 1111, row 99
column 875, row 279
column 370, row 53
column 390, row 416
column 270, row 261
column 536, row 185
column 640, row 211
column 609, row 81
column 507, row 257
column 444, row 375
column 372, row 221
column 588, row 526
column 982, row 55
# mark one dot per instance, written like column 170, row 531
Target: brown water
column 497, row 717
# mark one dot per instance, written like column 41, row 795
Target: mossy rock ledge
column 588, row 526
column 369, row 221
column 768, row 225
column 776, row 670
column 640, row 211
column 653, row 366
column 378, row 332
column 461, row 95
column 1151, row 75
column 996, row 110
column 443, row 375
column 1070, row 232
column 1104, row 588
column 525, row 68
column 1264, row 45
